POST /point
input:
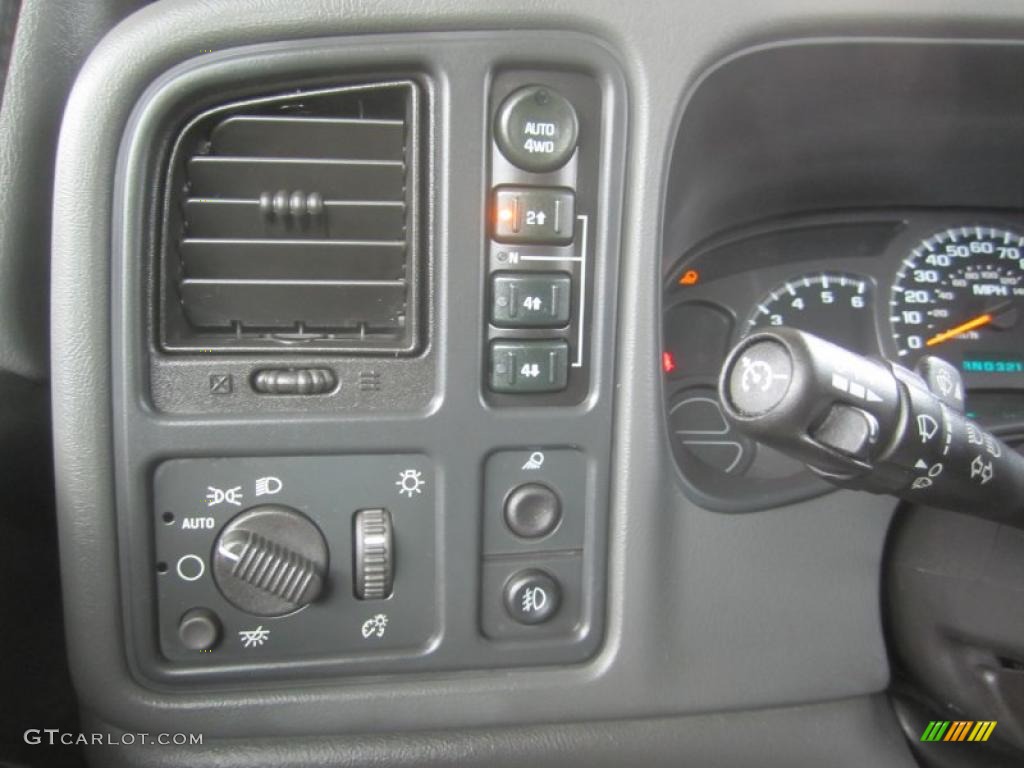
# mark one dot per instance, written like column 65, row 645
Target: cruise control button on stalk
column 760, row 377
column 849, row 430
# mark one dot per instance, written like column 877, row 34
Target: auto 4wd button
column 536, row 129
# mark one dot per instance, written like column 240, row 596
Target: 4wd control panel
column 544, row 157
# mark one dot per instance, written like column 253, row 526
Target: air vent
column 291, row 224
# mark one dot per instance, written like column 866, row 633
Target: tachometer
column 834, row 306
column 959, row 295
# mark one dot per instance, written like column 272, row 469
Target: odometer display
column 959, row 291
column 983, row 364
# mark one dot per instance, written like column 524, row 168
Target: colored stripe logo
column 958, row 730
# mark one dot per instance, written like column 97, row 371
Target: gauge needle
column 970, row 325
column 997, row 312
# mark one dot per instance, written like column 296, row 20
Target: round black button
column 199, row 629
column 759, row 378
column 532, row 596
column 537, row 129
column 532, row 511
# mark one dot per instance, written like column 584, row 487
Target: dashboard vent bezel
column 176, row 334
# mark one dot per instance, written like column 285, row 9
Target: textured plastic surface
column 704, row 580
column 796, row 128
column 852, row 733
column 952, row 591
column 54, row 39
column 428, row 420
column 722, row 668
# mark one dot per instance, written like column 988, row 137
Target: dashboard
column 385, row 348
column 895, row 285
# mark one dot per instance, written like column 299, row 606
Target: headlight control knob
column 374, row 556
column 270, row 560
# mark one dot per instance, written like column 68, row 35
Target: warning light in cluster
column 668, row 362
column 690, row 277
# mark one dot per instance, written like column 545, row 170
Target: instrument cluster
column 893, row 285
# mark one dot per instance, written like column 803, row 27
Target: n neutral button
column 531, row 300
column 529, row 366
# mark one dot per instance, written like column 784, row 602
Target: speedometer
column 959, row 295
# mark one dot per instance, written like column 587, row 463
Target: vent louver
column 291, row 223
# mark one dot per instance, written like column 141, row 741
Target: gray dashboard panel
column 706, row 612
column 423, row 418
column 60, row 34
column 843, row 734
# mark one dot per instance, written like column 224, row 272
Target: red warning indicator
column 668, row 362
